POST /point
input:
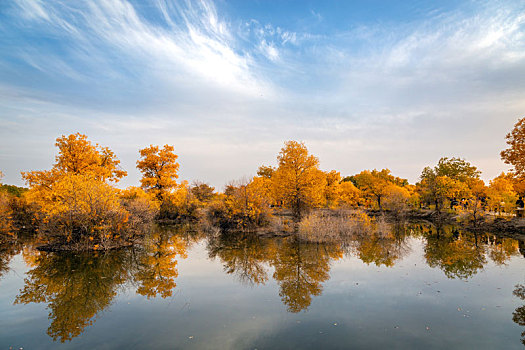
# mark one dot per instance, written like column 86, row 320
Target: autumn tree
column 477, row 194
column 77, row 206
column 77, row 156
column 349, row 194
column 179, row 205
column 448, row 180
column 202, row 191
column 374, row 184
column 501, row 194
column 298, row 182
column 245, row 205
column 397, row 199
column 332, row 191
column 159, row 170
column 265, row 171
column 515, row 154
column 5, row 213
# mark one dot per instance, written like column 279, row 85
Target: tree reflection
column 243, row 256
column 456, row 254
column 382, row 248
column 300, row 268
column 500, row 250
column 518, row 315
column 157, row 265
column 7, row 251
column 521, row 245
column 75, row 286
column 79, row 286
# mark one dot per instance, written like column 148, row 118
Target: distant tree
column 397, row 199
column 501, row 194
column 456, row 168
column 349, row 194
column 298, row 181
column 515, row 154
column 333, row 189
column 6, row 224
column 159, row 170
column 448, row 180
column 203, row 192
column 374, row 184
column 265, row 171
column 244, row 206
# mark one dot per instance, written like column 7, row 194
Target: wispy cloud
column 228, row 91
column 191, row 41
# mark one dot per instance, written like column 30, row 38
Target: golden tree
column 77, row 155
column 515, row 154
column 397, row 199
column 5, row 212
column 501, row 194
column 6, row 225
column 298, row 181
column 333, row 189
column 77, row 205
column 159, row 170
column 349, row 194
column 374, row 184
column 448, row 180
column 245, row 205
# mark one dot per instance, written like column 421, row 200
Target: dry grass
column 335, row 225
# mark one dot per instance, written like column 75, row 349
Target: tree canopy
column 515, row 154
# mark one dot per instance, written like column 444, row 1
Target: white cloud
column 228, row 96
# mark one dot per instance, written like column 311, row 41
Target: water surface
column 416, row 287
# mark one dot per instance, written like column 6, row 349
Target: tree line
column 76, row 203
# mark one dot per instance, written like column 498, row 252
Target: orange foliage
column 515, row 154
column 159, row 170
column 298, row 182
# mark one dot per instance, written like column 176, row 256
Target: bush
column 179, row 205
column 78, row 211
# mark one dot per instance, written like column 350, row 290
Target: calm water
column 414, row 288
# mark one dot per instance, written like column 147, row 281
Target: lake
column 416, row 287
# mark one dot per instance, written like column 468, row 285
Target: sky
column 365, row 84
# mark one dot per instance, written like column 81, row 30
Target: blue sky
column 366, row 84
